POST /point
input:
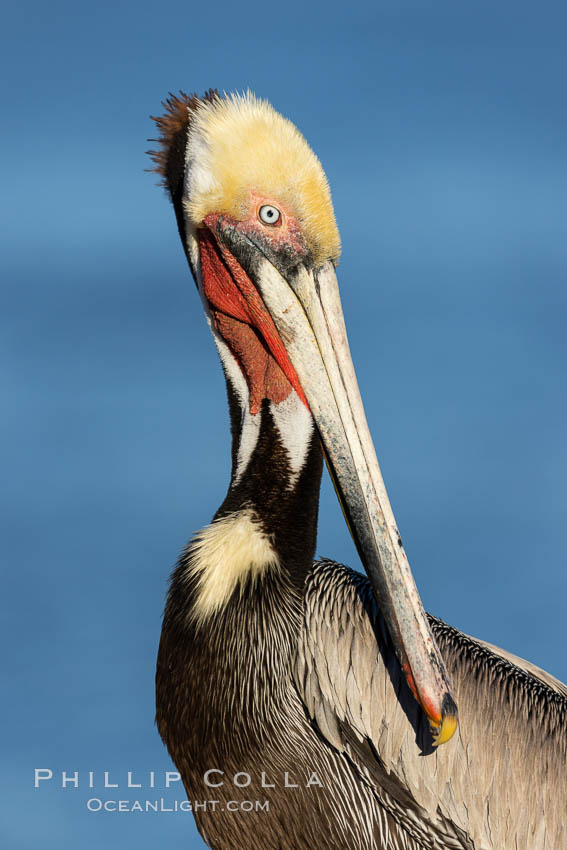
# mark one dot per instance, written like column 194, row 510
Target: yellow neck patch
column 238, row 145
column 223, row 555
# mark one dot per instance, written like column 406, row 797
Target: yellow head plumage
column 238, row 145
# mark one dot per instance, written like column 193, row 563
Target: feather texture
column 498, row 784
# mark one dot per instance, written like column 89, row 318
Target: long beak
column 307, row 312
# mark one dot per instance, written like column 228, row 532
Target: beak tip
column 446, row 728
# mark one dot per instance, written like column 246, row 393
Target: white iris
column 269, row 214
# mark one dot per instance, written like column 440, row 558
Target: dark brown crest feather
column 173, row 126
column 169, row 158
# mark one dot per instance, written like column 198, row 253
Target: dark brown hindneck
column 287, row 506
column 227, row 678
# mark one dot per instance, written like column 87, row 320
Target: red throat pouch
column 241, row 318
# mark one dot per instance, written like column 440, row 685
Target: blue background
column 442, row 128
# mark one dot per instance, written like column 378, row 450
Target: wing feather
column 490, row 787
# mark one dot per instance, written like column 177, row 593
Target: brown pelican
column 303, row 703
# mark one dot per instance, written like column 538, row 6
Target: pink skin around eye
column 286, row 232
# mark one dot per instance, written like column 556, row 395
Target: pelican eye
column 269, row 214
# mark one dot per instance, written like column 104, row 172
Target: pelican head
column 256, row 219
